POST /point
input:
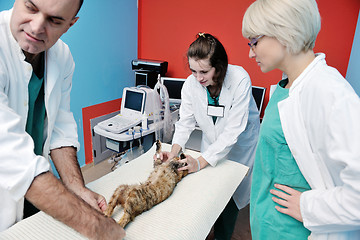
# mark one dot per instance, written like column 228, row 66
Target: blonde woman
column 307, row 167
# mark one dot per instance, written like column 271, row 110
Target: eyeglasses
column 253, row 42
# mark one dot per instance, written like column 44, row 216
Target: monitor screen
column 173, row 86
column 133, row 100
column 258, row 94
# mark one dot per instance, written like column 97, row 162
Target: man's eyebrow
column 31, row 3
column 59, row 18
column 56, row 17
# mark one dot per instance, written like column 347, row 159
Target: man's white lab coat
column 321, row 124
column 233, row 136
column 18, row 163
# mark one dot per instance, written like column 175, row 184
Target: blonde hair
column 294, row 23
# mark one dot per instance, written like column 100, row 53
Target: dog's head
column 175, row 165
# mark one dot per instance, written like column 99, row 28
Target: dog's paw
column 177, row 164
column 182, row 164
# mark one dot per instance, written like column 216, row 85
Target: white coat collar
column 299, row 81
column 51, row 70
column 227, row 82
column 203, row 100
column 225, row 88
column 13, row 42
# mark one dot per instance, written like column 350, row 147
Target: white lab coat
column 18, row 163
column 233, row 136
column 321, row 124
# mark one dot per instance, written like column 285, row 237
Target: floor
column 92, row 172
column 242, row 227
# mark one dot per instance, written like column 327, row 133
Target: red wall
column 166, row 29
column 91, row 112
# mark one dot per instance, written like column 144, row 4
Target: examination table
column 189, row 213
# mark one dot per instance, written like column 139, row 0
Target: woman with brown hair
column 218, row 97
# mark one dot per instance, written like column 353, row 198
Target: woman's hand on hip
column 289, row 198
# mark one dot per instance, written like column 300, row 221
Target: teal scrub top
column 212, row 101
column 36, row 113
column 274, row 163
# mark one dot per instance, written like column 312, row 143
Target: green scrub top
column 274, row 163
column 36, row 113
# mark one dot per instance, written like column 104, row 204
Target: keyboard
column 119, row 123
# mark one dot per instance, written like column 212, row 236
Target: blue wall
column 103, row 42
column 4, row 5
column 353, row 71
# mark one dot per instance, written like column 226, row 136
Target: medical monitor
column 133, row 101
column 259, row 95
column 173, row 86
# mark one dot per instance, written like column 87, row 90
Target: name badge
column 215, row 111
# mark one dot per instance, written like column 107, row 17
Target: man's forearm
column 66, row 163
column 48, row 194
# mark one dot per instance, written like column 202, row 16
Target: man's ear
column 73, row 21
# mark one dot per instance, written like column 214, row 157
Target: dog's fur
column 138, row 198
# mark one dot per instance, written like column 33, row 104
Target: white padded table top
column 189, row 213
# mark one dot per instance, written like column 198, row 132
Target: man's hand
column 95, row 200
column 48, row 194
column 290, row 199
